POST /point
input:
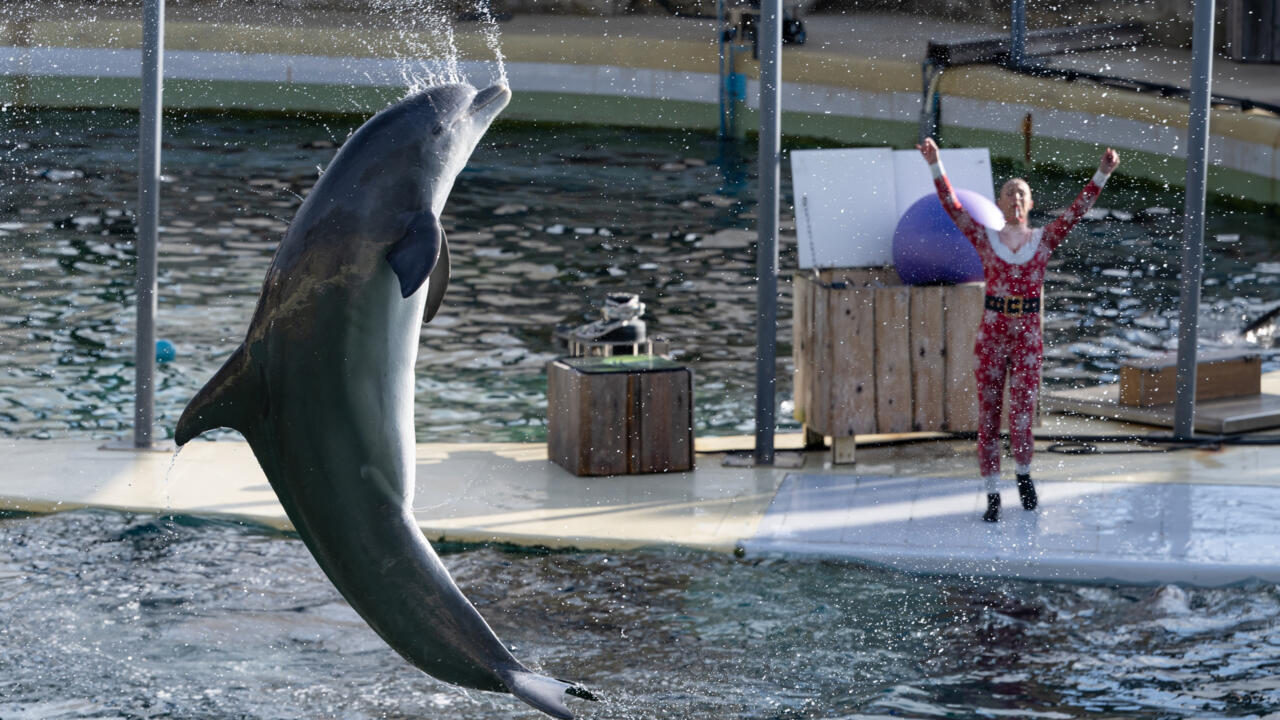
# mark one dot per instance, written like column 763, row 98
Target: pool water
column 111, row 615
column 542, row 224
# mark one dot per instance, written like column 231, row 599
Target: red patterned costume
column 1009, row 339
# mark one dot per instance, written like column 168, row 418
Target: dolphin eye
column 439, row 128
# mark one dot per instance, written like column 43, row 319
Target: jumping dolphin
column 322, row 386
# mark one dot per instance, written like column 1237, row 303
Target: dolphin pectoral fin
column 438, row 282
column 415, row 255
column 225, row 401
column 544, row 693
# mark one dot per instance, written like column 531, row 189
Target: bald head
column 1015, row 201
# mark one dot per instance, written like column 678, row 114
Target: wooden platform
column 875, row 356
column 620, row 415
column 1152, row 381
column 1224, row 416
column 1181, row 517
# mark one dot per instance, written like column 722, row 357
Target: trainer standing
column 1010, row 341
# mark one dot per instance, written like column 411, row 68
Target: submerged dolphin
column 323, row 385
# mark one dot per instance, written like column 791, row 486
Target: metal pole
column 1018, row 33
column 770, row 39
column 148, row 220
column 930, row 73
column 1193, row 217
column 724, row 88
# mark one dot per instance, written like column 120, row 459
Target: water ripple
column 542, row 223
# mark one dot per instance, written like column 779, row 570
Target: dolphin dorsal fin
column 227, row 400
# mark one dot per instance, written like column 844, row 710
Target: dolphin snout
column 490, row 95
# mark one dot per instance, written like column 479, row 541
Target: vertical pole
column 769, row 33
column 1018, row 33
column 724, row 80
column 1193, row 217
column 930, row 77
column 1026, row 142
column 148, row 220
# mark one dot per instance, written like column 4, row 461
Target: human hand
column 1110, row 161
column 929, row 149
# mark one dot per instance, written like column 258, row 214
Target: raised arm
column 1056, row 231
column 947, row 195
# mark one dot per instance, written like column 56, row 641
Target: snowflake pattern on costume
column 1010, row 345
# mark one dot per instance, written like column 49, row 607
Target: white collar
column 1024, row 254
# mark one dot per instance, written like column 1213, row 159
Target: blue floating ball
column 928, row 249
column 165, row 351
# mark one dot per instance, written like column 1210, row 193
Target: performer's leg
column 990, row 373
column 1024, row 389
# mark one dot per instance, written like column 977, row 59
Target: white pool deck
column 1201, row 517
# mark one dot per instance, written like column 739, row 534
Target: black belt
column 1013, row 305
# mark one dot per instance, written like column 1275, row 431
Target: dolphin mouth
column 489, row 96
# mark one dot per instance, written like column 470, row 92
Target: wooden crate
column 1147, row 382
column 875, row 356
column 619, row 415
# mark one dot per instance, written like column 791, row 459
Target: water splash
column 425, row 40
column 493, row 39
column 167, row 482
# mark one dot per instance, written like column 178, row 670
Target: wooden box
column 619, row 415
column 1152, row 381
column 875, row 356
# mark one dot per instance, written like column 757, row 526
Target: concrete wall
column 1169, row 20
column 631, row 78
column 1166, row 15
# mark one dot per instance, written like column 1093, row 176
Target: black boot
column 1027, row 492
column 993, row 507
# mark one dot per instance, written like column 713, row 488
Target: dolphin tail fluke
column 544, row 693
column 221, row 402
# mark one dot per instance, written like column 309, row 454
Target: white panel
column 844, row 207
column 967, row 168
column 848, row 201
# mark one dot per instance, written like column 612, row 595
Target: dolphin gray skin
column 323, row 385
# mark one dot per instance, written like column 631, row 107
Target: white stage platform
column 1155, row 532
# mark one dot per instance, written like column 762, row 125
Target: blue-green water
column 542, row 224
column 119, row 616
column 104, row 615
